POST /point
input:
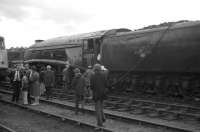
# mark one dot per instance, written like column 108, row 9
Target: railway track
column 150, row 108
column 136, row 120
column 155, row 109
column 112, row 125
column 4, row 128
column 27, row 119
column 165, row 111
column 53, row 112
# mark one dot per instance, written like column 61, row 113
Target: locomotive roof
column 74, row 40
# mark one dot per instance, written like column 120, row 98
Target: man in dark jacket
column 98, row 85
column 79, row 86
column 49, row 81
column 16, row 84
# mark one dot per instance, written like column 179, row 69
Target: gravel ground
column 118, row 126
column 115, row 125
column 26, row 121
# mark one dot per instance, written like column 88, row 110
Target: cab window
column 88, row 44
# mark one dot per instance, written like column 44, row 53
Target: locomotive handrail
column 143, row 58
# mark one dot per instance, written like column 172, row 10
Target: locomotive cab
column 91, row 49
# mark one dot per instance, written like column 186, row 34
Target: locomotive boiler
column 162, row 60
column 79, row 50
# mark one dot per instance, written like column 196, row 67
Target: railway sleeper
column 170, row 117
column 163, row 112
column 178, row 115
column 136, row 111
column 173, row 112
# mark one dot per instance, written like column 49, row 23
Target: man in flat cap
column 98, row 84
column 49, row 80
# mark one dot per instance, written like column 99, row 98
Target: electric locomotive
column 3, row 60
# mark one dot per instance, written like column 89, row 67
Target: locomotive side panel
column 123, row 53
column 57, row 55
column 3, row 59
column 177, row 51
column 74, row 55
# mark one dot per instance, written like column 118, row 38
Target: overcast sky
column 23, row 21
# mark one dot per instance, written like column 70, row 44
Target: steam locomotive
column 164, row 60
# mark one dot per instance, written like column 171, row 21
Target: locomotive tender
column 164, row 60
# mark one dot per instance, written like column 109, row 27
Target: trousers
column 24, row 95
column 99, row 112
column 48, row 92
column 16, row 93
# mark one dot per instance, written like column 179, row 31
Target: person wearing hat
column 42, row 85
column 66, row 76
column 34, row 85
column 49, row 81
column 98, row 84
column 78, row 84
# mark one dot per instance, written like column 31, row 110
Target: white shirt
column 17, row 76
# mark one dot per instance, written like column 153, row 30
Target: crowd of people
column 30, row 82
column 91, row 84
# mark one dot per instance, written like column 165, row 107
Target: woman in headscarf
column 35, row 85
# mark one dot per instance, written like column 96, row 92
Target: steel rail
column 62, row 118
column 111, row 116
column 4, row 128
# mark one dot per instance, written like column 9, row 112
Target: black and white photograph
column 99, row 66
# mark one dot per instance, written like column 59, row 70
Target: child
column 87, row 75
column 25, row 88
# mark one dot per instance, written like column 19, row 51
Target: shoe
column 35, row 104
column 99, row 127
